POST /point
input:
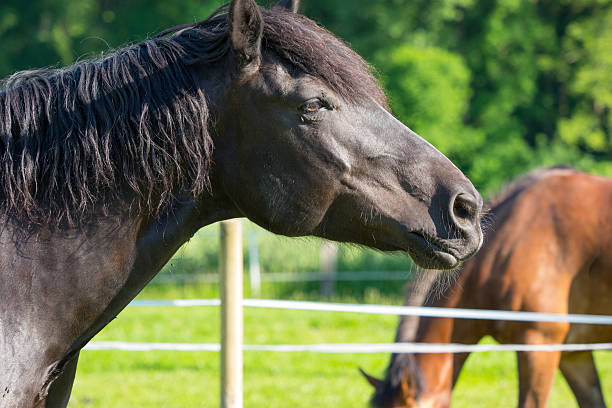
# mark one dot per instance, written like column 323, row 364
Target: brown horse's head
column 305, row 143
column 402, row 392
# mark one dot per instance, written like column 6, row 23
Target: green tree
column 539, row 77
column 41, row 33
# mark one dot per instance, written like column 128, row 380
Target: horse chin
column 426, row 253
column 435, row 260
column 429, row 254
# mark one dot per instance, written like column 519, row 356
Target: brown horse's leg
column 59, row 392
column 537, row 369
column 579, row 370
column 468, row 332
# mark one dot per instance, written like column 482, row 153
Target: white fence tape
column 338, row 276
column 376, row 347
column 127, row 346
column 274, row 277
column 177, row 302
column 352, row 347
column 393, row 310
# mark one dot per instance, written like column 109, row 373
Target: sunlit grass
column 190, row 379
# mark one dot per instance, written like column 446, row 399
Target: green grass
column 190, row 379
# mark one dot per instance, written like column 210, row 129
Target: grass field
column 108, row 379
column 190, row 379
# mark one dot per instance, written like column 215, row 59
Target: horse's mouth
column 430, row 253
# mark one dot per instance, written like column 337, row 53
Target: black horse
column 109, row 166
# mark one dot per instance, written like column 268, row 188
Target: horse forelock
column 311, row 49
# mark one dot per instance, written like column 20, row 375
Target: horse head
column 305, row 144
column 404, row 394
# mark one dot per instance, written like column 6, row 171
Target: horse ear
column 291, row 5
column 374, row 382
column 246, row 30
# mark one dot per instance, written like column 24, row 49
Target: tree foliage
column 500, row 86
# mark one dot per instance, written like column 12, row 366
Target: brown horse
column 549, row 250
column 108, row 166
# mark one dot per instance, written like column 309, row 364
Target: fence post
column 230, row 288
column 329, row 266
column 254, row 270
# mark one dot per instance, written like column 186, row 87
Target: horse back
column 549, row 249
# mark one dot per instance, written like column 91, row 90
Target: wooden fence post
column 329, row 267
column 230, row 288
column 254, row 269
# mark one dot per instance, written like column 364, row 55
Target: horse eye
column 312, row 106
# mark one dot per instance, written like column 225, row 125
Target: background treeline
column 500, row 86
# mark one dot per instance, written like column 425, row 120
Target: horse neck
column 433, row 371
column 161, row 237
column 427, row 290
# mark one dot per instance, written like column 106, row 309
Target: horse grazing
column 549, row 250
column 108, row 166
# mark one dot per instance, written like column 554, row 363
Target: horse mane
column 514, row 188
column 76, row 141
column 306, row 47
column 131, row 129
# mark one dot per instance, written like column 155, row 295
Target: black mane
column 131, row 129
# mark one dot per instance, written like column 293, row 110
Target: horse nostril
column 465, row 208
